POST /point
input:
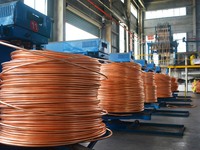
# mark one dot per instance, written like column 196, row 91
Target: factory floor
column 135, row 141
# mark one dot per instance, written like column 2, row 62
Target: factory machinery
column 23, row 26
column 97, row 46
column 163, row 46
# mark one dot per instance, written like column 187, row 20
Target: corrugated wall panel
column 81, row 23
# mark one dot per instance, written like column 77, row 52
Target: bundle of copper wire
column 197, row 87
column 50, row 99
column 174, row 84
column 149, row 87
column 123, row 91
column 163, row 83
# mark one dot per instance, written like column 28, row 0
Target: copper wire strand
column 123, row 91
column 163, row 83
column 149, row 87
column 174, row 84
column 50, row 102
column 45, row 55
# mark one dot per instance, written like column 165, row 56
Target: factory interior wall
column 180, row 24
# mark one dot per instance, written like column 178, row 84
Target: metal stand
column 154, row 109
column 114, row 122
column 172, row 99
column 147, row 128
column 169, row 113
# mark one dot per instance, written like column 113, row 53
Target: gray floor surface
column 133, row 141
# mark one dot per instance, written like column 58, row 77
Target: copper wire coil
column 122, row 92
column 174, row 84
column 197, row 86
column 149, row 87
column 163, row 83
column 47, row 102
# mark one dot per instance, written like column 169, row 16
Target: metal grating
column 6, row 10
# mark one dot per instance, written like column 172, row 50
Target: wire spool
column 149, row 87
column 163, row 83
column 123, row 91
column 174, row 84
column 50, row 99
column 197, row 88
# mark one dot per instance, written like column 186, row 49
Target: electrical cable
column 174, row 84
column 50, row 102
column 163, row 83
column 149, row 87
column 123, row 91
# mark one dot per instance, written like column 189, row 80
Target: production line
column 118, row 67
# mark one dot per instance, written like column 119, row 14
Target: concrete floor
column 133, row 141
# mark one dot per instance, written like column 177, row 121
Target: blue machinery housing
column 96, row 48
column 21, row 22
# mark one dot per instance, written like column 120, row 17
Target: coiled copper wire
column 149, row 87
column 163, row 83
column 123, row 91
column 174, row 84
column 197, row 87
column 47, row 102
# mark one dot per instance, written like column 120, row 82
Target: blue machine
column 158, row 69
column 142, row 62
column 121, row 57
column 21, row 23
column 150, row 67
column 97, row 48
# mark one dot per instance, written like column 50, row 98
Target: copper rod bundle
column 197, row 87
column 163, row 83
column 149, row 87
column 48, row 102
column 123, row 91
column 174, row 84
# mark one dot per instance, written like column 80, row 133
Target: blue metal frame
column 146, row 128
column 140, row 115
column 154, row 109
column 170, row 113
column 5, row 54
column 173, row 104
column 121, row 57
column 152, row 105
column 172, row 99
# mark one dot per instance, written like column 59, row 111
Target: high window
column 39, row 5
column 179, row 38
column 166, row 13
column 134, row 11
